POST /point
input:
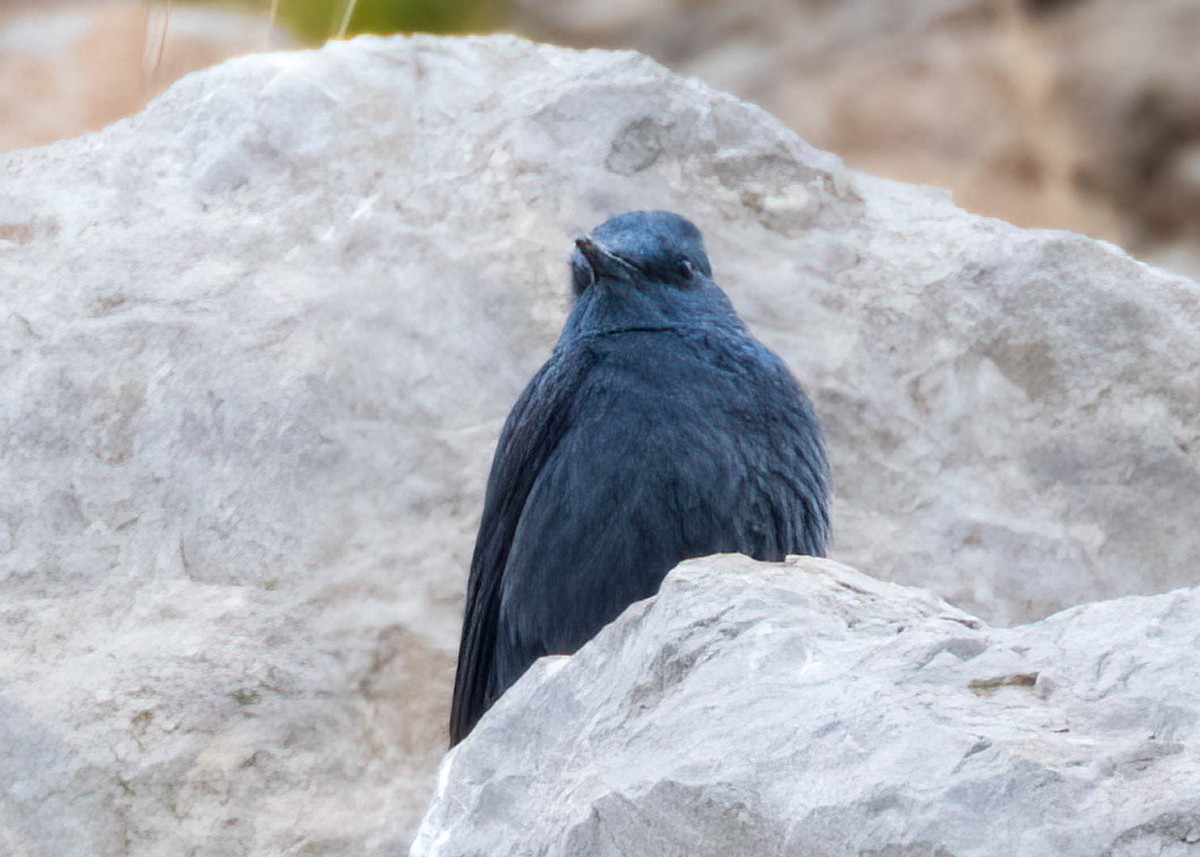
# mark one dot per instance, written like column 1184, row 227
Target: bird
column 660, row 429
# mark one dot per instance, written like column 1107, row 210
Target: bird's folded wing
column 530, row 435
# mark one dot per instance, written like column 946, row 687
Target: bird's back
column 680, row 444
column 659, row 430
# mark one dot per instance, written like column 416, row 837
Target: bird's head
column 657, row 246
column 644, row 269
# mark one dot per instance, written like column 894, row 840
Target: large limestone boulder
column 257, row 345
column 807, row 709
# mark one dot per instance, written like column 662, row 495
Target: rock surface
column 257, row 342
column 807, row 709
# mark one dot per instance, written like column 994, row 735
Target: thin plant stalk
column 153, row 55
column 346, row 18
column 271, row 18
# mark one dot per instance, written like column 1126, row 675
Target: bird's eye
column 686, row 270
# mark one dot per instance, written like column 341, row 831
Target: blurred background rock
column 1074, row 114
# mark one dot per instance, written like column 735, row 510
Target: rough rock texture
column 257, row 342
column 807, row 709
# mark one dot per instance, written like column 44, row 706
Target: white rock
column 806, row 709
column 257, row 342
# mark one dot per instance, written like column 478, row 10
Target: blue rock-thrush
column 660, row 429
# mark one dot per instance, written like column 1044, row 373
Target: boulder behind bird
column 660, row 429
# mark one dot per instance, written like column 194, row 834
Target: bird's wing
column 530, row 435
column 802, row 508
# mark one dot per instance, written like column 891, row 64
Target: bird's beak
column 590, row 250
column 602, row 260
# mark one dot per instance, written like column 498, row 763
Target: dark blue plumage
column 660, row 429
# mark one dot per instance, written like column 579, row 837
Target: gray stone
column 257, row 342
column 807, row 709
